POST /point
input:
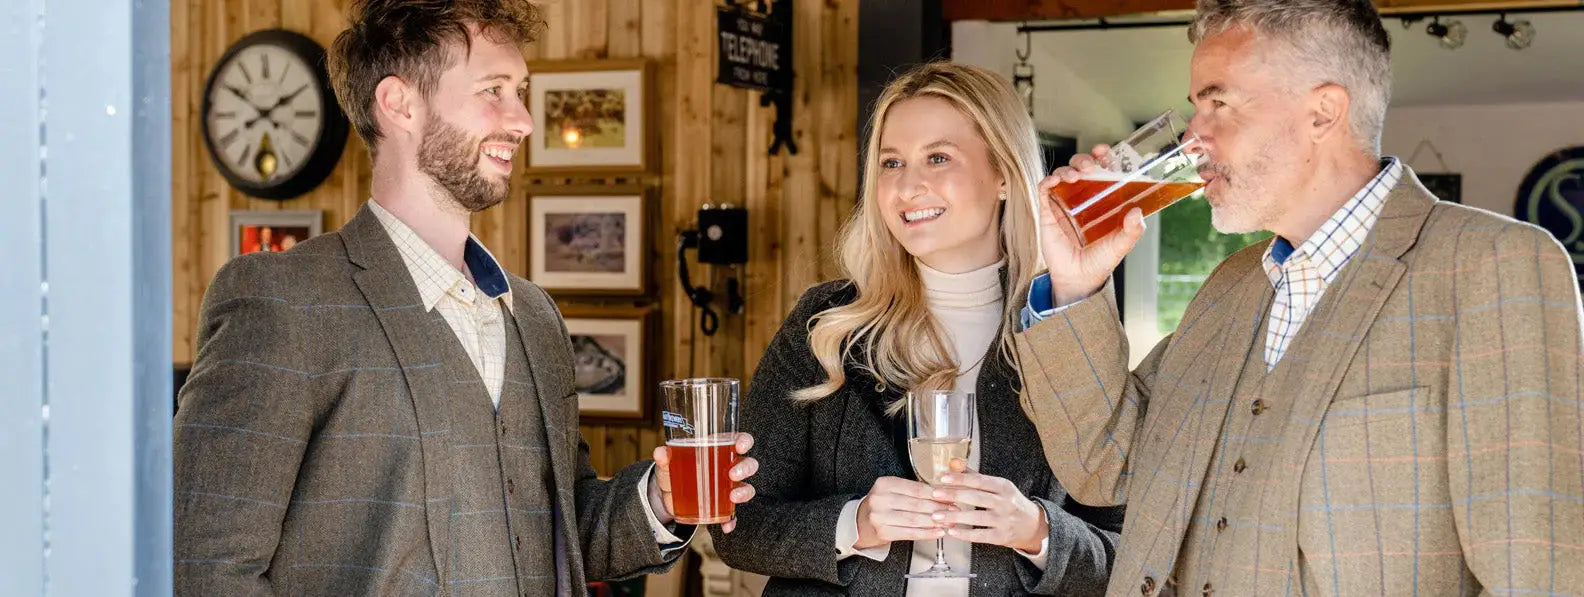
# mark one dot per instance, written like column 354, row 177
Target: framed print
column 590, row 243
column 611, row 361
column 592, row 117
column 272, row 231
column 1446, row 186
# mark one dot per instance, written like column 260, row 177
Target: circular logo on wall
column 1552, row 197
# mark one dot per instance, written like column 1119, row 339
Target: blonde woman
column 944, row 236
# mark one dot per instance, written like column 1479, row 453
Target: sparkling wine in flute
column 700, row 485
column 932, row 456
column 940, row 428
column 1151, row 169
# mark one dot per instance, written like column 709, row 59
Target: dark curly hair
column 408, row 39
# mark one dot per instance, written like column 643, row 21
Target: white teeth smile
column 923, row 214
column 499, row 154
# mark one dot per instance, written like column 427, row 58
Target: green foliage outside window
column 1189, row 249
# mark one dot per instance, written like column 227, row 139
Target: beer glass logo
column 676, row 421
column 1552, row 197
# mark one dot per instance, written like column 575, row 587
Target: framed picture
column 612, row 362
column 1445, row 186
column 272, row 231
column 589, row 241
column 593, row 117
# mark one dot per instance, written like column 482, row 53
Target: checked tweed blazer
column 1420, row 437
column 317, row 437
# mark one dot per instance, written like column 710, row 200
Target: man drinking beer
column 1384, row 398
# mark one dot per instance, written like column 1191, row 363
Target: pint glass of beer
column 1151, row 169
column 700, row 418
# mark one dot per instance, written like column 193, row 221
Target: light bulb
column 1518, row 34
column 1450, row 35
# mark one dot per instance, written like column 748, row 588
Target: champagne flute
column 940, row 428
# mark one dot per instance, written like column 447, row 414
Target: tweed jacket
column 1420, row 437
column 816, row 458
column 319, row 391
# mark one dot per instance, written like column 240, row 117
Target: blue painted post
column 85, row 313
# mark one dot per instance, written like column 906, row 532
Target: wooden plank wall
column 714, row 142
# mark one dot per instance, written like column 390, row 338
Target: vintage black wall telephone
column 720, row 239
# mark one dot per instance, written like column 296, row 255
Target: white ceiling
column 1145, row 70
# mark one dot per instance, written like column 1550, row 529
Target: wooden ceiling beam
column 1044, row 10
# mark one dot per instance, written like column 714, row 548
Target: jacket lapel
column 388, row 287
column 1335, row 331
column 549, row 359
column 1245, row 300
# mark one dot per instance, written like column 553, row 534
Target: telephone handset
column 720, row 239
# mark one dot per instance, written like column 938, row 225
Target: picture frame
column 613, row 362
column 592, row 117
column 590, row 240
column 1446, row 186
column 253, row 231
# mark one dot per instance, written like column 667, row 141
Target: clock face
column 265, row 113
column 270, row 120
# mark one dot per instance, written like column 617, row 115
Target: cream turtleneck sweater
column 968, row 307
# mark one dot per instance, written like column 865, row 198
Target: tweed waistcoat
column 502, row 522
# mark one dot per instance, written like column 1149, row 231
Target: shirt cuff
column 1038, row 559
column 668, row 541
column 847, row 535
column 1039, row 308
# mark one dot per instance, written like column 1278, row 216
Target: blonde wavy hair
column 889, row 325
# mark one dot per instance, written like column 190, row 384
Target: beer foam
column 704, row 442
column 1104, row 176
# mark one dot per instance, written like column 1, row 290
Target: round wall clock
column 1552, row 196
column 270, row 118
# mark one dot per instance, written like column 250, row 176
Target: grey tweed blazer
column 314, row 397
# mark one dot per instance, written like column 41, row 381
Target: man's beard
column 452, row 160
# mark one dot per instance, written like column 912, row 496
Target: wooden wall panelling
column 762, row 281
column 840, row 81
column 623, row 29
column 800, row 231
column 185, row 88
column 691, row 166
column 590, row 29
column 728, row 182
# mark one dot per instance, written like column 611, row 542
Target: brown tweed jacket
column 316, row 394
column 1421, row 437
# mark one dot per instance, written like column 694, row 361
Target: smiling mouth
column 922, row 215
column 499, row 155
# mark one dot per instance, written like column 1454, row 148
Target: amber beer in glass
column 700, row 419
column 1151, row 169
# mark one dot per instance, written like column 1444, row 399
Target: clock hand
column 269, row 114
column 241, row 96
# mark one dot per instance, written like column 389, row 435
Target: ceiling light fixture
column 1450, row 34
column 1518, row 34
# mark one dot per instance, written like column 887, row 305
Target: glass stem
column 940, row 553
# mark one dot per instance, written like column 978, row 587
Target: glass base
column 940, row 572
column 696, row 521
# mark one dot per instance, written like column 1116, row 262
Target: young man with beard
column 409, row 424
column 1384, row 399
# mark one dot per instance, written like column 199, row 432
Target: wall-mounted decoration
column 592, row 117
column 754, row 51
column 270, row 120
column 1445, row 186
column 1443, row 183
column 1552, row 197
column 589, row 240
column 612, row 362
column 272, row 231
